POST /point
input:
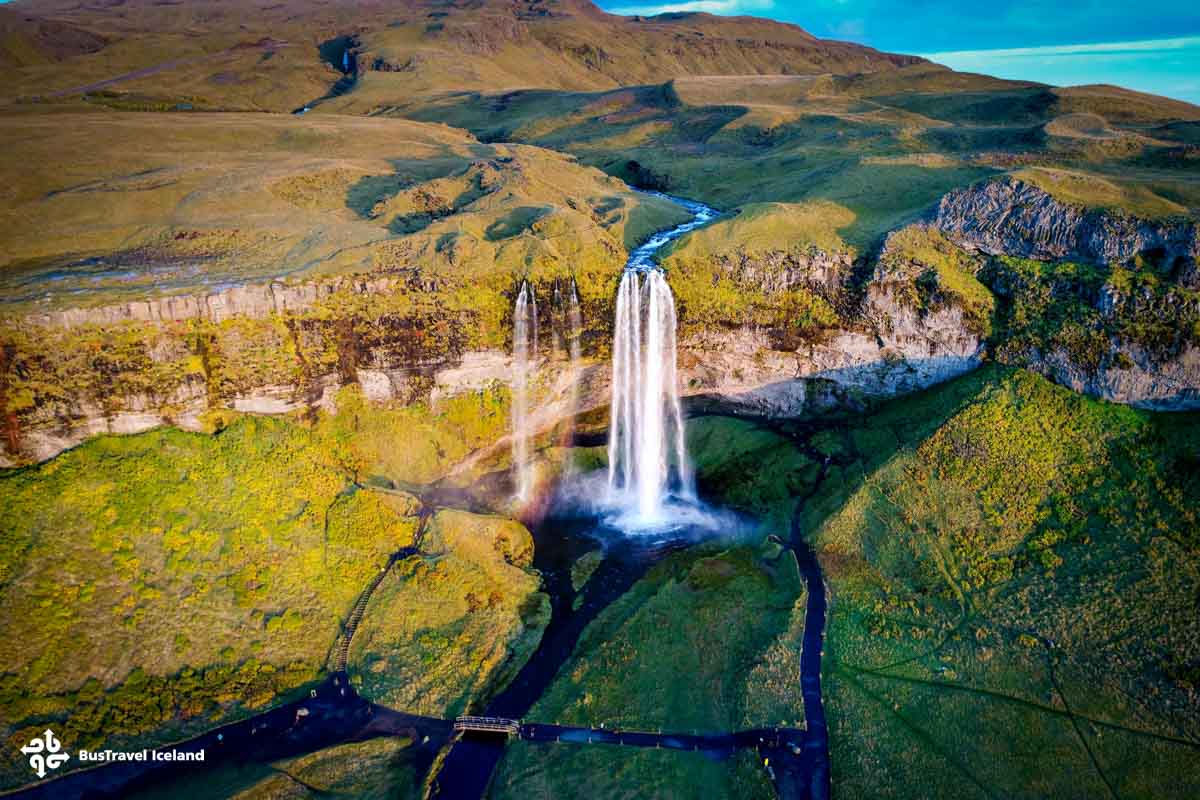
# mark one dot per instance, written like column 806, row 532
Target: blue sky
column 1152, row 45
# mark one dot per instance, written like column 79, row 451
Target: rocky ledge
column 1008, row 216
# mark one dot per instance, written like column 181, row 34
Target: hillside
column 101, row 208
column 213, row 54
column 886, row 145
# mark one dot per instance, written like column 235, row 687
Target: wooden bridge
column 510, row 727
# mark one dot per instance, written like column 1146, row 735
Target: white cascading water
column 525, row 347
column 647, row 460
column 574, row 334
column 572, row 331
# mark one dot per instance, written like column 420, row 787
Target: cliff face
column 773, row 331
column 1105, row 303
column 281, row 348
column 1011, row 217
column 255, row 301
column 882, row 343
column 1136, row 377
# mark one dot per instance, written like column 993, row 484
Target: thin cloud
column 1159, row 66
column 1141, row 46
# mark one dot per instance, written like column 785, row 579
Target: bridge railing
column 512, row 727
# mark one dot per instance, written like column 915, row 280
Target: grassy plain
column 107, row 207
column 885, row 145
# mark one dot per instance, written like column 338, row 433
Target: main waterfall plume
column 525, row 347
column 647, row 461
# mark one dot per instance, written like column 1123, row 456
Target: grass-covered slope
column 211, row 54
column 1013, row 570
column 165, row 581
column 683, row 650
column 157, row 584
column 776, row 265
column 109, row 207
column 445, row 628
column 886, row 145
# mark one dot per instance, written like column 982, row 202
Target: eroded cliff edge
column 778, row 318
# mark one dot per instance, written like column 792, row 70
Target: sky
column 1150, row 45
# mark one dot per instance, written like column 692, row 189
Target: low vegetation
column 1082, row 310
column 1009, row 558
column 774, row 265
column 680, row 651
column 379, row 769
column 165, row 582
column 935, row 272
column 449, row 625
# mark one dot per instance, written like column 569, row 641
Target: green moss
column 940, row 272
column 1051, row 305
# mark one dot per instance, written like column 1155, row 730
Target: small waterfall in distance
column 647, row 460
column 525, row 348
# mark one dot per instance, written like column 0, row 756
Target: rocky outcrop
column 891, row 346
column 777, row 271
column 1011, row 217
column 1127, row 330
column 1132, row 376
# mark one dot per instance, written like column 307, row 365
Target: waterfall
column 647, row 461
column 557, row 321
column 574, row 333
column 574, row 325
column 525, row 347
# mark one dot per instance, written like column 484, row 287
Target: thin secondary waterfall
column 647, row 460
column 574, row 334
column 525, row 347
column 570, row 317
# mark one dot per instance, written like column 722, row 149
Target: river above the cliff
column 642, row 258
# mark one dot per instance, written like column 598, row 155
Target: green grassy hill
column 885, row 145
column 102, row 208
column 158, row 585
column 212, row 54
column 1009, row 565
